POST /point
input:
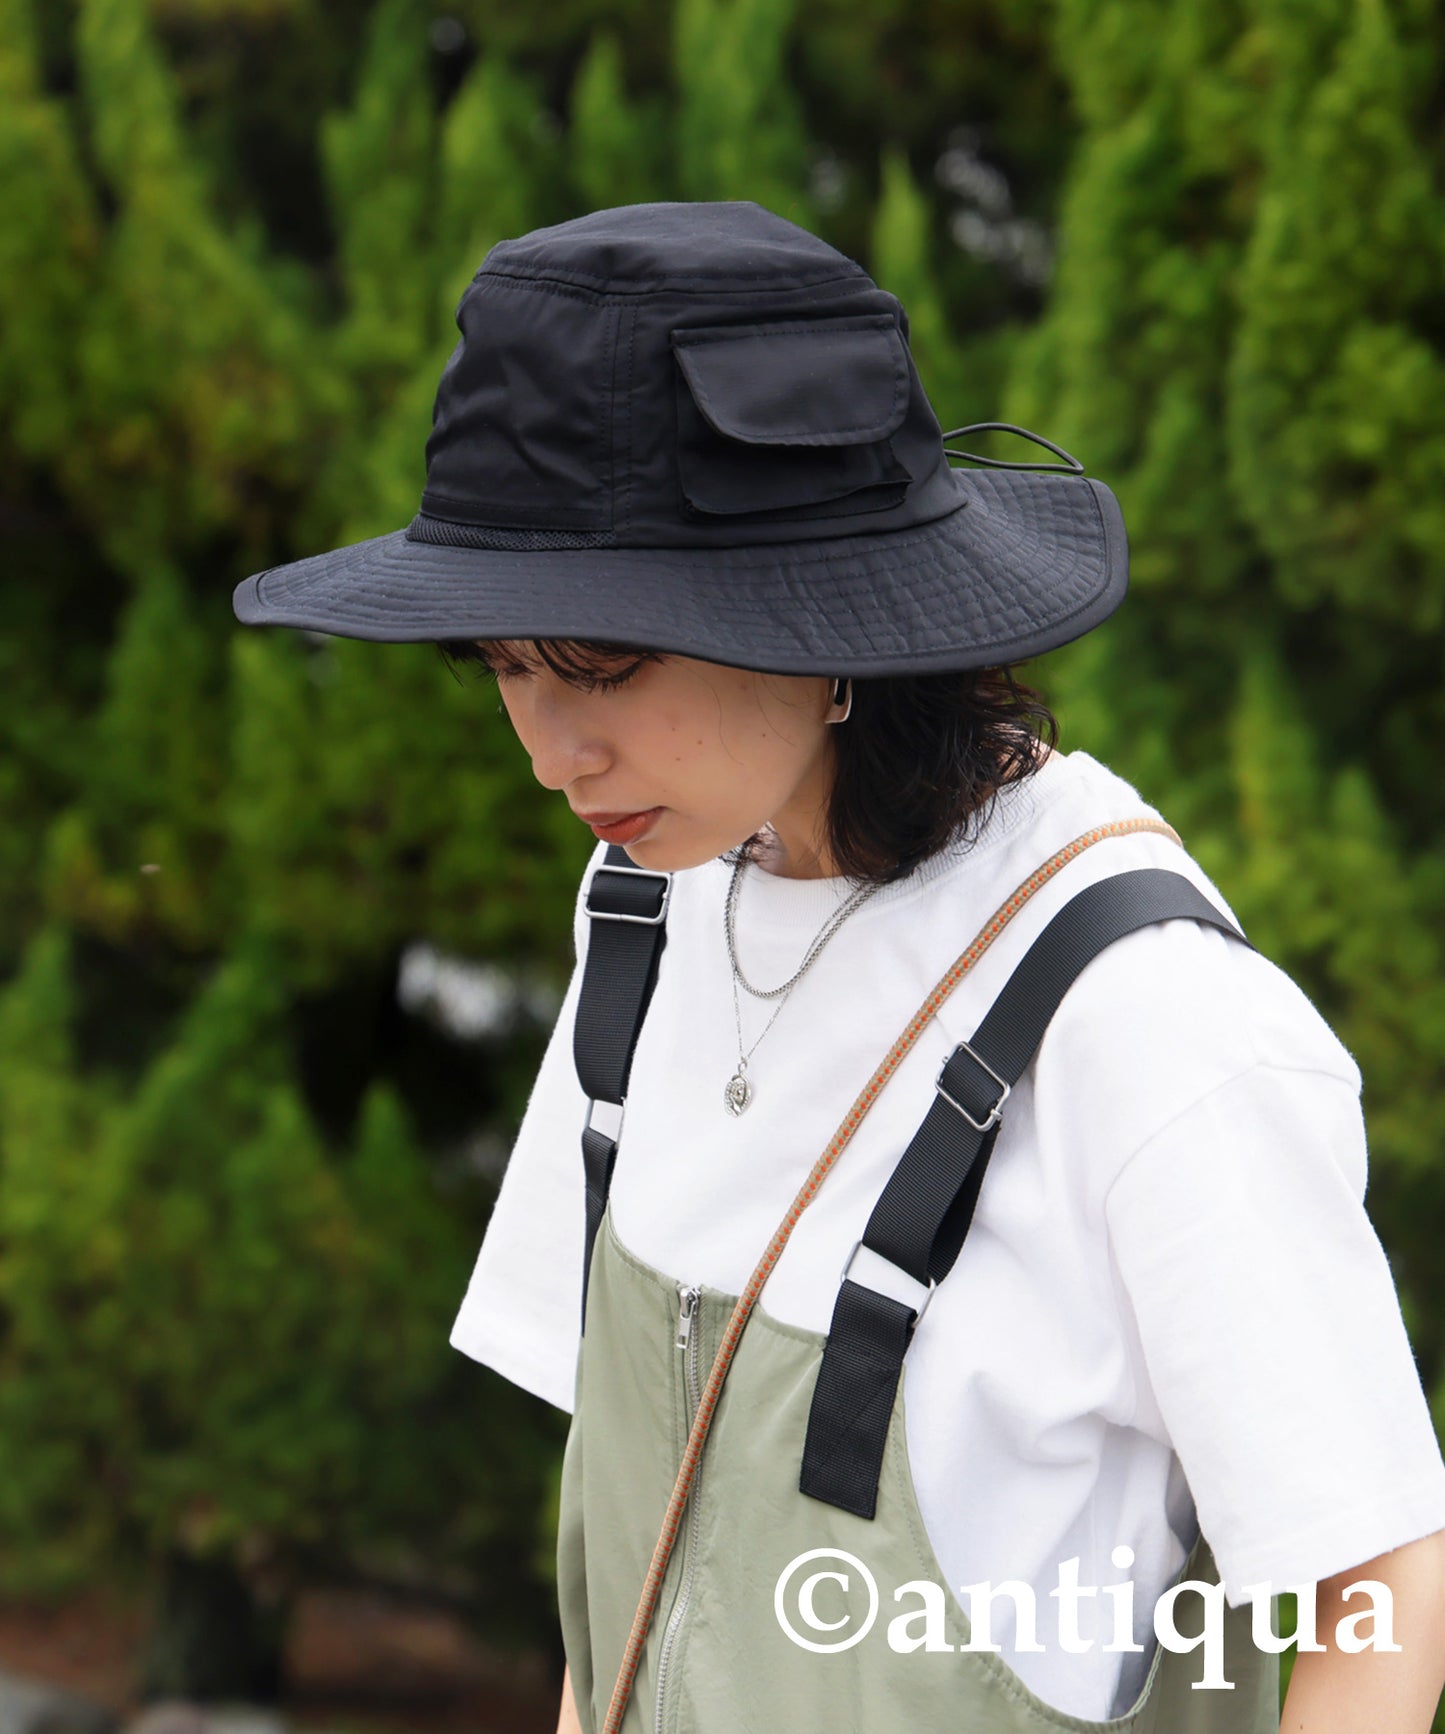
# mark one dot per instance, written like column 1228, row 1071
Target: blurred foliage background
column 1199, row 242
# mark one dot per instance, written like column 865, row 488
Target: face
column 691, row 757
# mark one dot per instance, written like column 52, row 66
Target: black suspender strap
column 923, row 1214
column 627, row 907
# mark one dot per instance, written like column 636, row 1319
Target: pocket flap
column 799, row 382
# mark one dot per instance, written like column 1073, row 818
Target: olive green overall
column 716, row 1660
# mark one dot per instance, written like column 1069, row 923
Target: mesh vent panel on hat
column 449, row 535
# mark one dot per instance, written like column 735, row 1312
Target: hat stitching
column 730, row 285
column 621, row 516
column 882, row 321
column 969, row 641
column 748, row 554
column 541, row 285
column 603, row 460
column 607, row 422
column 925, row 560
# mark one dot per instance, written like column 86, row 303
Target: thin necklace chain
column 830, row 927
column 739, row 1091
column 743, row 1058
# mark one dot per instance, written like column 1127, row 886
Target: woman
column 687, row 499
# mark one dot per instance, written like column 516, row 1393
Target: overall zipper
column 686, row 1343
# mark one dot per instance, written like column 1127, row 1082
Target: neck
column 799, row 859
column 795, row 840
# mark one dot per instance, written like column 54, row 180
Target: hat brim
column 1025, row 563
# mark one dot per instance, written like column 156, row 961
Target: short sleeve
column 1271, row 1331
column 521, row 1314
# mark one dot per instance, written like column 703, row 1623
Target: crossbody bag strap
column 923, row 1214
column 627, row 908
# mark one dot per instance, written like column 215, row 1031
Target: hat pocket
column 791, row 418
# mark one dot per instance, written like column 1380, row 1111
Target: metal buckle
column 995, row 1114
column 615, row 915
column 614, row 1133
column 894, row 1275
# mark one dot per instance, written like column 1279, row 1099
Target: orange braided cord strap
column 707, row 1402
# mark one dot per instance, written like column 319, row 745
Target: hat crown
column 640, row 247
column 678, row 375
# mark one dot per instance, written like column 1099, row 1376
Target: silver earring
column 842, row 695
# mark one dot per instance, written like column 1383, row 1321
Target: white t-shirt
column 1171, row 1299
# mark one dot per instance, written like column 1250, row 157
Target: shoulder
column 1188, row 995
column 1174, row 988
column 1180, row 1039
column 1167, row 1014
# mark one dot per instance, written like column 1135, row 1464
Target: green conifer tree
column 738, row 132
column 1241, row 338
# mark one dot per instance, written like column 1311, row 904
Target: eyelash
column 583, row 682
column 606, row 682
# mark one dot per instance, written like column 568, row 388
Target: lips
column 621, row 827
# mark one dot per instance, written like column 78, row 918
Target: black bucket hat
column 698, row 428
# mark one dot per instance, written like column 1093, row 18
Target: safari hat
column 698, row 428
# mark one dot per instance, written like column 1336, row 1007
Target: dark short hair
column 919, row 762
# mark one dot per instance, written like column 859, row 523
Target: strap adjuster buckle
column 891, row 1280
column 617, row 915
column 995, row 1113
column 612, row 1129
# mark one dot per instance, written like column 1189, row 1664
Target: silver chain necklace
column 739, row 1090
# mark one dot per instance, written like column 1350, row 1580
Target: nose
column 559, row 729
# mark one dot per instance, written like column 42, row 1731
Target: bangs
column 579, row 661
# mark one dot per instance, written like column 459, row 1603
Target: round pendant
column 738, row 1094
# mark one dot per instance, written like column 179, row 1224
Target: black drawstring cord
column 1070, row 466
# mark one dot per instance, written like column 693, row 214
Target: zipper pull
column 687, row 1306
